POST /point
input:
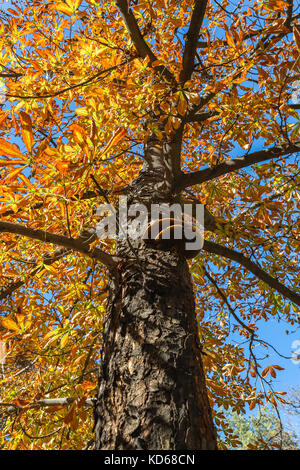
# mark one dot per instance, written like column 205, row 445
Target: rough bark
column 152, row 392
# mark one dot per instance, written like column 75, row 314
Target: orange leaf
column 3, row 117
column 88, row 386
column 10, row 162
column 26, row 130
column 229, row 39
column 78, row 133
column 10, row 150
column 114, row 140
column 9, row 324
column 62, row 8
column 182, row 105
column 62, row 167
column 265, row 372
column 252, row 404
column 64, row 340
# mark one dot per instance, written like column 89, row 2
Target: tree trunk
column 152, row 392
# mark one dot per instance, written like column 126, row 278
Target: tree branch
column 139, row 42
column 80, row 244
column 48, row 259
column 236, row 164
column 46, row 402
column 201, row 117
column 192, row 40
column 260, row 48
column 224, row 298
column 238, row 257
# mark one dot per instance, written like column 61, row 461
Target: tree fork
column 152, row 392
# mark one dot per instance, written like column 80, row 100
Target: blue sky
column 273, row 332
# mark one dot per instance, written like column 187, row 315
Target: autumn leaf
column 181, row 99
column 87, row 386
column 74, row 4
column 62, row 8
column 64, row 340
column 265, row 372
column 26, row 128
column 3, row 117
column 116, row 138
column 10, row 324
column 182, row 104
column 10, row 150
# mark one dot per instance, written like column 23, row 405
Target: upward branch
column 139, row 42
column 192, row 39
column 47, row 260
column 236, row 164
column 80, row 244
column 241, row 259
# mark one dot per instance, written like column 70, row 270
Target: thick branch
column 201, row 117
column 236, row 164
column 228, row 253
column 192, row 40
column 48, row 259
column 80, row 244
column 139, row 42
column 46, row 402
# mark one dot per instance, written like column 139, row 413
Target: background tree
column 262, row 431
column 160, row 101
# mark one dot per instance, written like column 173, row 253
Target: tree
column 160, row 102
column 263, row 431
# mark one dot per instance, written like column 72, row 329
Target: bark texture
column 152, row 389
column 152, row 392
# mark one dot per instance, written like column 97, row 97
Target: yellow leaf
column 182, row 105
column 10, row 324
column 114, row 140
column 51, row 269
column 82, row 111
column 78, row 133
column 51, row 333
column 26, row 129
column 64, row 340
column 62, row 8
column 74, row 4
